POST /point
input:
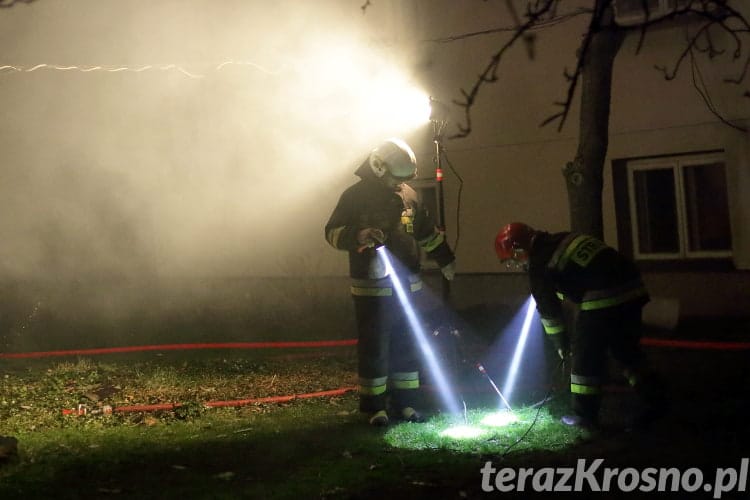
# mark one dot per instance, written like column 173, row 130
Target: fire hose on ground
column 648, row 342
column 107, row 409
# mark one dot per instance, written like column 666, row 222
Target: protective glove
column 562, row 346
column 370, row 236
column 449, row 270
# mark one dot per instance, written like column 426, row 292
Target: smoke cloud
column 223, row 158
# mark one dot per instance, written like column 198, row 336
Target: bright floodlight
column 510, row 380
column 349, row 85
column 462, row 432
column 499, row 419
column 438, row 111
column 443, row 387
column 398, row 102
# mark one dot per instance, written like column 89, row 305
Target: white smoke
column 154, row 172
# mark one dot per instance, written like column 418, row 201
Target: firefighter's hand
column 370, row 236
column 449, row 270
column 564, row 355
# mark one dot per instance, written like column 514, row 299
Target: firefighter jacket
column 407, row 226
column 582, row 269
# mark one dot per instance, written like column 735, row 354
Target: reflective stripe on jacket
column 582, row 269
column 398, row 212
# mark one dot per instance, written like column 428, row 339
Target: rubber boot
column 651, row 390
column 409, row 414
column 379, row 419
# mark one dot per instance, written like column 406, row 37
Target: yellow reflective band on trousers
column 581, row 384
column 381, row 287
column 372, row 386
column 431, row 243
column 585, row 389
column 553, row 326
column 371, row 292
column 405, row 380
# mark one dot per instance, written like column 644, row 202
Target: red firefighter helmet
column 513, row 242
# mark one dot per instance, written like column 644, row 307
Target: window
column 630, row 12
column 678, row 207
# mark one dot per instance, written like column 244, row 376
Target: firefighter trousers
column 388, row 364
column 617, row 331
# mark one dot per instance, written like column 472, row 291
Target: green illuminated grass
column 246, row 451
column 548, row 433
column 313, row 448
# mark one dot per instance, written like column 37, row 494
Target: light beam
column 463, row 432
column 510, row 380
column 499, row 419
column 416, row 327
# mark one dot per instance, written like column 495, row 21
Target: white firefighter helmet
column 395, row 157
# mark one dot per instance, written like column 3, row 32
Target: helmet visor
column 402, row 174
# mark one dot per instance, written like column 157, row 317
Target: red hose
column 650, row 342
column 177, row 347
column 218, row 404
column 280, row 399
column 696, row 344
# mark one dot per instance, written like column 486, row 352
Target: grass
column 246, row 451
column 317, row 448
column 477, row 434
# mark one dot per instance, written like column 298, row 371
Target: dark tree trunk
column 584, row 175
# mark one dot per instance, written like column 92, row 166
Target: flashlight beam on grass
column 463, row 432
column 510, row 380
column 418, row 331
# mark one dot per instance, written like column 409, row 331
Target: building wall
column 186, row 154
column 511, row 167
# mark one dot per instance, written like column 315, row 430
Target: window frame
column 640, row 166
column 627, row 221
column 637, row 15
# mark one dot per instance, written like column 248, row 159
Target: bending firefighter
column 609, row 295
column 381, row 210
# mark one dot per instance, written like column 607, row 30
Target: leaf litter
column 35, row 395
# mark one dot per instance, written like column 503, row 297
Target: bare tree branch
column 718, row 14
column 741, row 77
column 595, row 24
column 4, row 4
column 700, row 86
column 687, row 51
column 541, row 14
column 541, row 24
column 489, row 75
column 642, row 37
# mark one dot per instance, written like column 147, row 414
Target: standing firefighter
column 609, row 295
column 381, row 210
